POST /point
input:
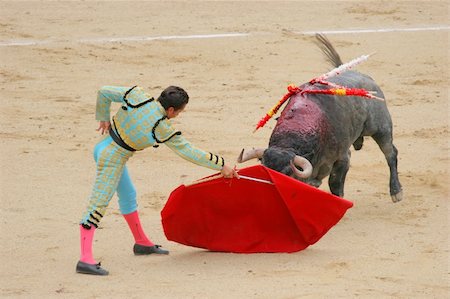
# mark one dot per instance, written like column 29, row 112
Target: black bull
column 321, row 128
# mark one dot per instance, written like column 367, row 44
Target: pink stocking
column 136, row 229
column 86, row 238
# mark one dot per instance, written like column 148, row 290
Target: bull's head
column 281, row 160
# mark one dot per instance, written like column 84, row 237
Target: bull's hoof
column 397, row 197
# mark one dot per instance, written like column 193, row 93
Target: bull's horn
column 304, row 164
column 250, row 154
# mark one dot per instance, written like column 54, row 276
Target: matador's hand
column 103, row 127
column 229, row 172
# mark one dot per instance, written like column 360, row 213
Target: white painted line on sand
column 380, row 30
column 121, row 39
column 23, row 43
column 152, row 38
column 206, row 36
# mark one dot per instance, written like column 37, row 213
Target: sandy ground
column 48, row 89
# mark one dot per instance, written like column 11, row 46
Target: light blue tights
column 125, row 189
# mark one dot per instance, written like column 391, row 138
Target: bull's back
column 355, row 116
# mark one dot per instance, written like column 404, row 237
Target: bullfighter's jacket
column 142, row 122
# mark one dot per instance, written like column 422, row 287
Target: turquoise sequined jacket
column 147, row 125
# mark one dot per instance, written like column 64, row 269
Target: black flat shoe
column 94, row 269
column 145, row 250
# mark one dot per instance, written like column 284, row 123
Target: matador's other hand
column 104, row 126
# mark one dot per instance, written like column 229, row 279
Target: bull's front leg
column 338, row 173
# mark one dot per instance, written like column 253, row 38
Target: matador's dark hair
column 173, row 96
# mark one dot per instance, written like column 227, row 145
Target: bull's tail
column 327, row 48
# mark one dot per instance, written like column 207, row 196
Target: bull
column 314, row 133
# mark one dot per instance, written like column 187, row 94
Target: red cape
column 245, row 216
